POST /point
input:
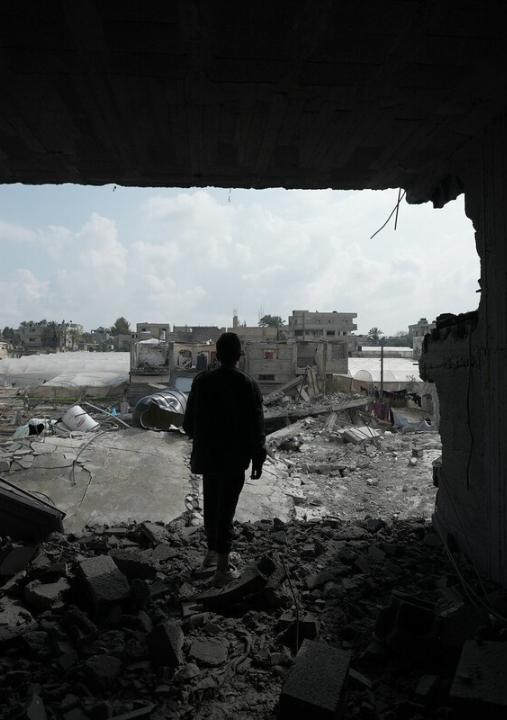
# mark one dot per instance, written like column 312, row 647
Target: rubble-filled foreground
column 119, row 623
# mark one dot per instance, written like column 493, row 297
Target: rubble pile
column 121, row 623
column 338, row 468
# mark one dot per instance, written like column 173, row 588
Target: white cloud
column 193, row 257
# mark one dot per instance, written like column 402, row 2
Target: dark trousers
column 221, row 493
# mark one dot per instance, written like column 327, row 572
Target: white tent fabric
column 76, row 368
column 396, row 370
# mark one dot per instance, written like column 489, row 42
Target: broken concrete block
column 164, row 551
column 427, row 688
column 35, row 709
column 15, row 620
column 133, row 564
column 103, row 668
column 16, row 559
column 105, row 583
column 315, row 685
column 44, row 596
column 209, row 651
column 78, row 624
column 479, row 685
column 321, row 578
column 36, row 642
column 153, row 532
column 253, row 580
column 373, row 525
column 165, row 644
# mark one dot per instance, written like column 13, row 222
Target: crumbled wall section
column 481, row 169
column 452, row 359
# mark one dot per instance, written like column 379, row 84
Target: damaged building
column 304, row 95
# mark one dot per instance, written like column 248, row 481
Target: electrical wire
column 394, row 210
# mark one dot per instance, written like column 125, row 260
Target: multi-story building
column 44, row 336
column 159, row 331
column 274, row 363
column 31, row 335
column 196, row 333
column 250, row 333
column 417, row 331
column 305, row 325
column 69, row 335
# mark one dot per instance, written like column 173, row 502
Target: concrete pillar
column 468, row 362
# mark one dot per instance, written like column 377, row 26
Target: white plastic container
column 78, row 419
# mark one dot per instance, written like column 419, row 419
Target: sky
column 193, row 256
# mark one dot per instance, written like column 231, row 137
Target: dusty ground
column 117, row 473
column 329, row 477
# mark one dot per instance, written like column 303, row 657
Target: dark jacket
column 225, row 420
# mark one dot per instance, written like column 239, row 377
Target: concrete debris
column 316, row 683
column 479, row 687
column 104, row 582
column 166, row 645
column 209, row 652
column 44, row 596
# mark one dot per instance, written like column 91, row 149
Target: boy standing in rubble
column 224, row 419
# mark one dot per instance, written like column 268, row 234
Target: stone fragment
column 165, row 644
column 209, row 651
column 103, row 668
column 315, row 685
column 164, row 551
column 35, row 709
column 373, row 525
column 15, row 620
column 427, row 688
column 321, row 578
column 78, row 624
column 44, row 596
column 105, row 583
column 479, row 685
column 133, row 564
column 36, row 642
column 154, row 533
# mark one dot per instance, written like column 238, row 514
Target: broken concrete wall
column 337, row 360
column 451, row 359
column 151, row 356
column 475, row 471
column 272, row 364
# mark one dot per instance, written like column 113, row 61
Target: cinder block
column 479, row 686
column 165, row 643
column 103, row 579
column 133, row 564
column 315, row 686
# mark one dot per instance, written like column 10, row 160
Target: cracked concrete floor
column 111, row 477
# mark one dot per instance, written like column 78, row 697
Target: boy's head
column 228, row 348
